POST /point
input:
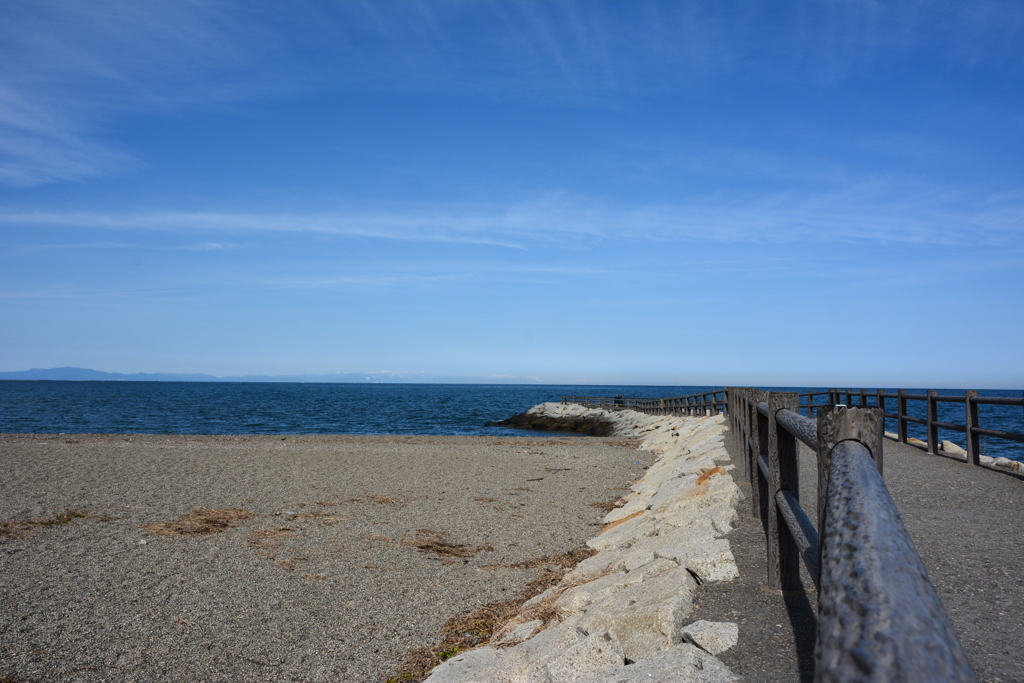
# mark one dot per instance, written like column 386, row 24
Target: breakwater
column 622, row 614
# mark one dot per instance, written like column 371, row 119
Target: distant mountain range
column 85, row 374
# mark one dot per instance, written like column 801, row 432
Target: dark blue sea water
column 282, row 408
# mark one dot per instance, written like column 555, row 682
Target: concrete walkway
column 968, row 525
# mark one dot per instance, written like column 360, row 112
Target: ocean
column 28, row 406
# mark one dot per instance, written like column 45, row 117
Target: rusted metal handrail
column 880, row 618
column 870, row 628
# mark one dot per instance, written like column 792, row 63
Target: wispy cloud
column 869, row 212
column 383, row 276
column 71, row 68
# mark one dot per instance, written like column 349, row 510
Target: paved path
column 968, row 526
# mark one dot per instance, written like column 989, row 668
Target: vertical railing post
column 748, row 431
column 933, row 417
column 759, row 484
column 901, row 410
column 864, row 397
column 810, row 404
column 727, row 408
column 750, row 450
column 842, row 423
column 973, row 440
column 783, row 554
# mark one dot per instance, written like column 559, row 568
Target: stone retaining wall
column 621, row 615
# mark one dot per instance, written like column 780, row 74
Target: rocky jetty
column 569, row 417
column 622, row 615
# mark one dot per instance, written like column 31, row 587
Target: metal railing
column 704, row 403
column 879, row 617
column 971, row 400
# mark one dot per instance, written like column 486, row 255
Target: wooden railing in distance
column 879, row 617
column 971, row 427
column 705, row 403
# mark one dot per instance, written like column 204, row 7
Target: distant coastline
column 68, row 374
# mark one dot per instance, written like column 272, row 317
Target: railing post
column 842, row 423
column 727, row 408
column 901, row 410
column 810, row 404
column 933, row 417
column 750, row 434
column 864, row 397
column 759, row 427
column 973, row 440
column 783, row 554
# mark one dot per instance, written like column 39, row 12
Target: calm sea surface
column 283, row 408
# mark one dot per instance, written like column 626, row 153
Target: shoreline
column 343, row 594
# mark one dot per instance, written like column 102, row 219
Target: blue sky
column 806, row 193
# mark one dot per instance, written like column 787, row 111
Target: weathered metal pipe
column 879, row 618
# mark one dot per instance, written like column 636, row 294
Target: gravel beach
column 323, row 582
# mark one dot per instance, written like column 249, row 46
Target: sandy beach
column 323, row 582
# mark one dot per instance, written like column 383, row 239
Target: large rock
column 625, row 530
column 579, row 598
column 647, row 617
column 952, row 448
column 679, row 664
column 527, row 662
column 596, row 653
column 714, row 637
column 708, row 558
column 475, row 666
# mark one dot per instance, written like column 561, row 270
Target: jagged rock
column 518, row 634
column 709, row 558
column 527, row 662
column 634, row 505
column 679, row 664
column 616, row 533
column 647, row 617
column 1007, row 464
column 578, row 598
column 712, row 636
column 583, row 660
column 475, row 666
column 952, row 448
